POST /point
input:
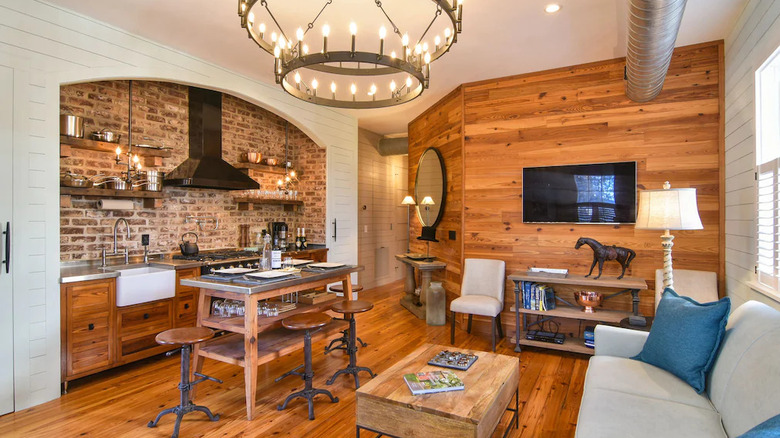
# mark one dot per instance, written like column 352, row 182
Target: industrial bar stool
column 341, row 343
column 185, row 337
column 309, row 322
column 349, row 308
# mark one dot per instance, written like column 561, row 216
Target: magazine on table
column 433, row 381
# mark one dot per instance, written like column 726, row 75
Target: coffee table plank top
column 487, row 377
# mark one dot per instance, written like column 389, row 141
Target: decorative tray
column 419, row 257
column 454, row 359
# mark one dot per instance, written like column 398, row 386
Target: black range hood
column 205, row 167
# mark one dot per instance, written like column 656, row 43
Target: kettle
column 189, row 248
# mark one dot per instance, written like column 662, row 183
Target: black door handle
column 334, row 228
column 186, row 306
column 7, row 261
column 91, row 327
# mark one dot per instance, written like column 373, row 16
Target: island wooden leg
column 250, row 354
column 347, row 285
column 197, row 360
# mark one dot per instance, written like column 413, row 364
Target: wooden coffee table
column 386, row 406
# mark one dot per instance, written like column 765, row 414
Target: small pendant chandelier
column 290, row 179
column 398, row 72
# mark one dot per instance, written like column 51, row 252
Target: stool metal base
column 185, row 385
column 342, row 342
column 352, row 348
column 308, row 392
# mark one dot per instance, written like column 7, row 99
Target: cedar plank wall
column 440, row 127
column 577, row 115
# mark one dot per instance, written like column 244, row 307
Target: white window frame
column 767, row 185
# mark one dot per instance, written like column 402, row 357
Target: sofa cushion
column 642, row 379
column 743, row 383
column 768, row 429
column 605, row 413
column 685, row 336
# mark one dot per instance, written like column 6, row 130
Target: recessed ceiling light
column 552, row 8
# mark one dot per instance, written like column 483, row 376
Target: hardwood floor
column 119, row 402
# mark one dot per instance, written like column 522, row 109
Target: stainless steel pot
column 72, row 126
column 117, row 183
column 106, row 135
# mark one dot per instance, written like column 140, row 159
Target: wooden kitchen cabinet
column 138, row 325
column 87, row 329
column 318, row 255
column 185, row 306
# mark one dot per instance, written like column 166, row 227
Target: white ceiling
column 500, row 37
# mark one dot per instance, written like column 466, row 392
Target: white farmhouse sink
column 143, row 284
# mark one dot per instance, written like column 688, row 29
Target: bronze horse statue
column 606, row 252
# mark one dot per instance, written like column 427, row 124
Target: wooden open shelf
column 151, row 199
column 235, row 324
column 68, row 143
column 273, row 344
column 560, row 311
column 574, row 345
column 245, row 167
column 245, row 204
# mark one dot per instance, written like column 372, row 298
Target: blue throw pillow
column 768, row 429
column 685, row 337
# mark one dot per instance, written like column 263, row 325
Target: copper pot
column 588, row 300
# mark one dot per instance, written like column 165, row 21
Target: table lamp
column 668, row 209
column 408, row 201
column 428, row 232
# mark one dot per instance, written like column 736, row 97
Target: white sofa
column 627, row 398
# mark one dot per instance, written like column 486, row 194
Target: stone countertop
column 249, row 289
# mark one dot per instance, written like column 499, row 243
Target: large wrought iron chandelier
column 396, row 73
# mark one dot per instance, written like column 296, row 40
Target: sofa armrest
column 620, row 342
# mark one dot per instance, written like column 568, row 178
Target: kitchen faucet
column 126, row 252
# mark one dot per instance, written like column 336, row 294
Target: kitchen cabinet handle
column 146, row 316
column 186, row 306
column 91, row 327
column 334, row 229
column 7, row 261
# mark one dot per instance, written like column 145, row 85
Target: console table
column 409, row 301
column 570, row 310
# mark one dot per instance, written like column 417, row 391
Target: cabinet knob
column 91, row 327
column 146, row 316
column 187, row 306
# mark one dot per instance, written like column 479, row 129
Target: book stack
column 589, row 337
column 538, row 296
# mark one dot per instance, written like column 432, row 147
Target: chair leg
column 493, row 332
column 468, row 330
column 452, row 329
column 500, row 327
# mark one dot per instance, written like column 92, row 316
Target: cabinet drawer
column 89, row 297
column 186, row 311
column 186, row 273
column 144, row 318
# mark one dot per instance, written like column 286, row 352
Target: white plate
column 234, row 270
column 326, row 265
column 298, row 262
column 269, row 274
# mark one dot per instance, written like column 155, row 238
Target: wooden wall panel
column 579, row 115
column 440, row 127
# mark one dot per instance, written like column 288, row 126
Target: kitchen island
column 254, row 339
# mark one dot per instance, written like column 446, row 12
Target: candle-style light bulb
column 287, row 178
column 305, row 49
column 372, row 90
column 118, row 150
column 325, row 33
column 299, row 34
column 392, row 54
column 353, row 28
column 353, row 89
column 382, row 32
column 251, row 18
column 417, row 49
column 279, row 183
column 292, row 173
column 436, row 41
column 405, row 40
column 447, row 33
column 405, row 44
column 425, row 47
column 297, row 78
column 409, row 82
column 382, row 35
column 274, row 36
column 261, row 28
column 282, row 41
column 314, row 84
column 325, row 30
column 277, row 51
column 392, row 86
column 333, row 87
column 135, row 158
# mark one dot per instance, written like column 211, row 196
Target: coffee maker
column 279, row 234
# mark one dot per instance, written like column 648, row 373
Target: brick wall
column 160, row 117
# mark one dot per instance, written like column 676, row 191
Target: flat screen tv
column 603, row 193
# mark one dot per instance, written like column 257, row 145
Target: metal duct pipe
column 652, row 31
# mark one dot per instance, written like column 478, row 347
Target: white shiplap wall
column 47, row 46
column 755, row 36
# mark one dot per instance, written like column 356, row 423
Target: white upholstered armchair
column 481, row 293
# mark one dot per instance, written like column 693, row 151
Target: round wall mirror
column 430, row 188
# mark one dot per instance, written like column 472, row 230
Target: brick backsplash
column 160, row 112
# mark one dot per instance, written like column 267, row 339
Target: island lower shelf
column 271, row 344
column 235, row 324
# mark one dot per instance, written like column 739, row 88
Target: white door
column 342, row 194
column 6, row 296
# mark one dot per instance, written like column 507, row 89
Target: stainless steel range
column 223, row 259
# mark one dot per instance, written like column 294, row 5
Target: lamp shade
column 408, row 200
column 668, row 209
column 427, row 201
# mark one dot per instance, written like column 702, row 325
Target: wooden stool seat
column 340, row 288
column 352, row 306
column 184, row 335
column 306, row 321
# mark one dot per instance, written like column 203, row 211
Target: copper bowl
column 588, row 300
column 271, row 161
column 253, row 157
